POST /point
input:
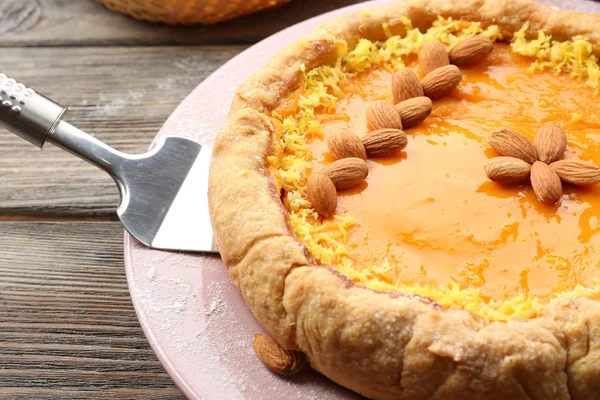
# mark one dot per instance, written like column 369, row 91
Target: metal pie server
column 163, row 192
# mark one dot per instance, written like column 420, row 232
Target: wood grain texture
column 85, row 23
column 19, row 15
column 67, row 326
column 122, row 95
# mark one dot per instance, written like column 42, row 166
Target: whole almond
column 432, row 55
column 577, row 172
column 507, row 169
column 546, row 183
column 322, row 194
column 406, row 85
column 347, row 172
column 513, row 144
column 382, row 114
column 344, row 143
column 415, row 110
column 384, row 141
column 441, row 81
column 275, row 357
column 550, row 143
column 471, row 50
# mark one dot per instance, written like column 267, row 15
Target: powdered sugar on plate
column 202, row 330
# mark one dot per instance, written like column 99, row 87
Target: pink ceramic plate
column 193, row 316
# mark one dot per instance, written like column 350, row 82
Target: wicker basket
column 189, row 12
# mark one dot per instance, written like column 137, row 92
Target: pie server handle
column 37, row 119
column 26, row 113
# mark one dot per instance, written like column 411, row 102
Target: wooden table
column 67, row 326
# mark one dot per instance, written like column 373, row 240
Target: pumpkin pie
column 407, row 196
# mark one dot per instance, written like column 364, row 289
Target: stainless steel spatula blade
column 166, row 205
column 163, row 192
column 181, row 221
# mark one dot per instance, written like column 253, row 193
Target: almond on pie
column 352, row 208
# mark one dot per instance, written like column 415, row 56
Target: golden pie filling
column 427, row 220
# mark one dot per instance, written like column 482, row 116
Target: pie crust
column 385, row 345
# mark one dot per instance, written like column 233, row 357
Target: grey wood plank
column 122, row 95
column 86, row 22
column 67, row 326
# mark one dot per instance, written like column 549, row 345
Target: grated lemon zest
column 367, row 54
column 574, row 56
